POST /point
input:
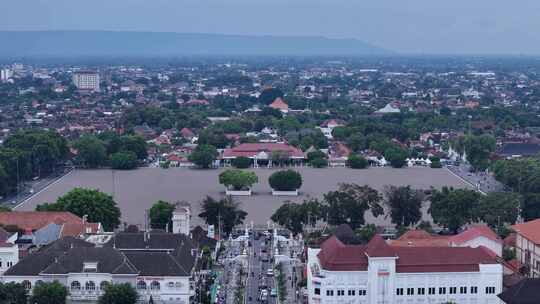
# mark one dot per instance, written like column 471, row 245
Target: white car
column 270, row 272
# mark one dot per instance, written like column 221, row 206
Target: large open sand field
column 137, row 190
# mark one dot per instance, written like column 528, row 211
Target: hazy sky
column 419, row 26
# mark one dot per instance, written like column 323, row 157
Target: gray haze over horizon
column 412, row 26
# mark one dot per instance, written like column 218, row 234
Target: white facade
column 88, row 287
column 5, row 75
column 9, row 253
column 181, row 220
column 528, row 254
column 490, row 244
column 86, row 81
column 381, row 284
column 9, row 256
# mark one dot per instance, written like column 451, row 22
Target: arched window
column 141, row 285
column 103, row 285
column 170, row 284
column 154, row 285
column 27, row 285
column 75, row 285
column 90, row 285
column 178, row 285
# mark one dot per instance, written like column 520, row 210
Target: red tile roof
column 377, row 247
column 336, row 256
column 474, row 232
column 33, row 220
column 530, row 230
column 279, row 104
column 421, row 238
column 252, row 149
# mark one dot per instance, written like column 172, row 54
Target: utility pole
column 18, row 179
column 113, row 184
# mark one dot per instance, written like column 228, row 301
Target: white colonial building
column 377, row 273
column 158, row 264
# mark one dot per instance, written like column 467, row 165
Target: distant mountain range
column 17, row 44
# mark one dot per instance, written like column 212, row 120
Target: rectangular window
column 442, row 290
column 341, row 292
column 421, row 291
column 453, row 290
column 410, row 291
column 463, row 290
column 490, row 290
column 399, row 291
column 317, row 291
column 474, row 289
column 431, row 290
column 362, row 292
column 330, row 293
column 351, row 292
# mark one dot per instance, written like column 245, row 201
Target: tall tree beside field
column 237, row 179
column 478, row 149
column 98, row 206
column 203, row 156
column 161, row 214
column 91, row 152
column 405, row 204
column 453, row 208
column 348, row 204
column 498, row 208
column 224, row 213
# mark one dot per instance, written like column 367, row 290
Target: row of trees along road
column 108, row 148
column 29, row 153
column 450, row 208
column 522, row 177
column 56, row 293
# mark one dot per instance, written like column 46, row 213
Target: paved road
column 258, row 267
column 482, row 181
column 30, row 188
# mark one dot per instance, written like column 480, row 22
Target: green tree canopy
column 241, row 162
column 91, row 152
column 203, row 156
column 44, row 149
column 225, row 211
column 285, row 180
column 13, row 293
column 49, row 293
column 98, row 206
column 238, row 179
column 404, row 204
column 161, row 214
column 356, row 162
column 396, row 156
column 498, row 208
column 478, row 149
column 453, row 208
column 119, row 294
column 124, row 160
column 294, row 216
column 319, row 163
column 348, row 204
